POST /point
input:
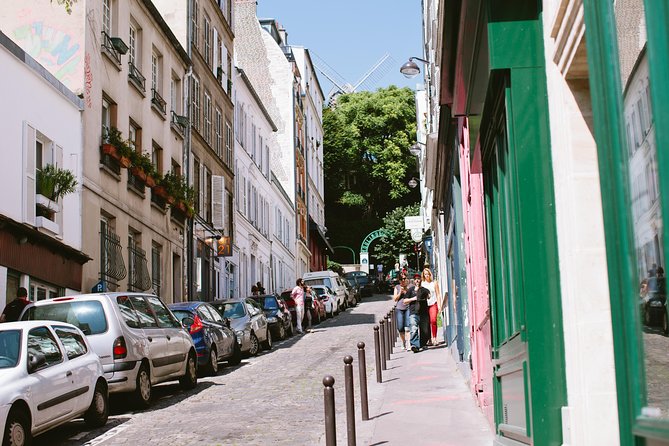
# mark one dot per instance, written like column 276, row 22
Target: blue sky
column 351, row 36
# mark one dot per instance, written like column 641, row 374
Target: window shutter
column 224, row 65
column 218, row 201
column 29, row 135
column 214, row 66
column 201, row 192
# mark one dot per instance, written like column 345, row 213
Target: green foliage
column 177, row 186
column 336, row 267
column 54, row 182
column 114, row 137
column 397, row 239
column 366, row 149
column 142, row 161
column 67, row 4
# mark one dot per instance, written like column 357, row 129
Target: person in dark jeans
column 419, row 318
column 13, row 309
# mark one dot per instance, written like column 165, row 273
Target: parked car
column 288, row 317
column 137, row 338
column 214, row 340
column 318, row 311
column 278, row 316
column 249, row 323
column 367, row 284
column 354, row 290
column 50, row 375
column 327, row 297
column 330, row 279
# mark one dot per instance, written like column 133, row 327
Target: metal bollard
column 329, row 403
column 393, row 314
column 362, row 374
column 350, row 403
column 389, row 346
column 382, row 332
column 377, row 354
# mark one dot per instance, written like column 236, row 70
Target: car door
column 258, row 320
column 84, row 370
column 175, row 336
column 52, row 387
column 157, row 344
column 225, row 338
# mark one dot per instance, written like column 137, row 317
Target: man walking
column 416, row 299
column 298, row 296
column 13, row 309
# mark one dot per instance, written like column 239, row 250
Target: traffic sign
column 417, row 235
column 413, row 222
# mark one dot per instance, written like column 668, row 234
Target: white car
column 49, row 376
column 328, row 297
column 137, row 338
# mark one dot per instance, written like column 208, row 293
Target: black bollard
column 350, row 403
column 389, row 336
column 362, row 373
column 377, row 354
column 329, row 403
column 382, row 332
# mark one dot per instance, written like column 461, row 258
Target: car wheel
column 143, row 387
column 212, row 367
column 236, row 357
column 255, row 345
column 98, row 412
column 17, row 429
column 267, row 345
column 189, row 380
column 282, row 331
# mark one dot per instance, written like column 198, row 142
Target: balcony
column 157, row 102
column 112, row 268
column 113, row 47
column 178, row 123
column 136, row 77
column 139, row 279
column 110, row 163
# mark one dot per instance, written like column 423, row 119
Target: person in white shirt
column 433, row 303
column 298, row 296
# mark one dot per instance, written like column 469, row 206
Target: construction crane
column 340, row 86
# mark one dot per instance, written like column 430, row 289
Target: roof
column 248, row 83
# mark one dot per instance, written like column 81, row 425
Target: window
column 107, row 17
column 175, row 94
column 87, row 316
column 156, row 268
column 146, row 317
column 253, row 143
column 219, row 133
column 207, row 117
column 207, row 194
column 207, row 41
column 195, row 23
column 72, row 341
column 135, row 136
column 156, row 70
column 165, row 318
column 130, row 317
column 228, row 144
column 157, row 157
column 40, row 340
column 197, row 185
column 132, row 54
column 195, row 106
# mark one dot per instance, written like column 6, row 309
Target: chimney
column 283, row 35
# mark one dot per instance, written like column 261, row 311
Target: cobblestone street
column 274, row 398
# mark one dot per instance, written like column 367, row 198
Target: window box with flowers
column 142, row 168
column 117, row 148
column 52, row 183
column 183, row 195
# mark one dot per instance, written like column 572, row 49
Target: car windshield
column 9, row 348
column 233, row 310
column 270, row 303
column 88, row 316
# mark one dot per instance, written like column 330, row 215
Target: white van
column 330, row 279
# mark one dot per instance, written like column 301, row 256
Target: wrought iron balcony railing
column 136, row 76
column 158, row 101
column 112, row 267
column 109, row 47
column 139, row 279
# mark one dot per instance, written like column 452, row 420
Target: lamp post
column 410, row 68
column 350, row 249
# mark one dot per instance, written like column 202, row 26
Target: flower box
column 49, row 225
column 45, row 203
column 139, row 173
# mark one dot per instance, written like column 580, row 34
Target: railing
column 135, row 183
column 110, row 163
column 111, row 264
column 108, row 47
column 178, row 122
column 158, row 101
column 136, row 76
column 158, row 200
column 139, row 278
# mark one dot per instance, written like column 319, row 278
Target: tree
column 67, row 4
column 367, row 163
column 397, row 239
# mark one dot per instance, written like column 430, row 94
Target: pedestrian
column 417, row 300
column 298, row 296
column 401, row 310
column 433, row 303
column 261, row 289
column 254, row 290
column 308, row 306
column 13, row 309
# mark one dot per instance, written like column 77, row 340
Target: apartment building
column 252, row 250
column 204, row 28
column 40, row 233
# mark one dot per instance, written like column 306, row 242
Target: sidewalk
column 423, row 400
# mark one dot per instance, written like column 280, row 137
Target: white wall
column 27, row 97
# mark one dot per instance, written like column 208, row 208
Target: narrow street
column 274, row 398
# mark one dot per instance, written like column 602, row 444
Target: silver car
column 249, row 322
column 139, row 341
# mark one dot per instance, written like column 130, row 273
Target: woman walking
column 433, row 303
column 401, row 309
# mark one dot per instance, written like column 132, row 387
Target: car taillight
column 197, row 325
column 119, row 349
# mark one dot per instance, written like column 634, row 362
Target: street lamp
column 413, row 183
column 415, row 149
column 411, row 69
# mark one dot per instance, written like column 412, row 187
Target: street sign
column 414, row 222
column 98, row 287
column 417, row 235
column 224, row 247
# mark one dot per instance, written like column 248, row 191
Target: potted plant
column 112, row 141
column 52, row 183
column 142, row 167
column 170, row 184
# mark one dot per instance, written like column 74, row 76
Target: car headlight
column 656, row 303
column 271, row 319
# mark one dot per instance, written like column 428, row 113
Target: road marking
column 107, row 435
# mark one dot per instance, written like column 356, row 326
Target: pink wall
column 471, row 178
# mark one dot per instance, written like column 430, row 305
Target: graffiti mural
column 58, row 51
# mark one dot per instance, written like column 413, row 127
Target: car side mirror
column 227, row 322
column 35, row 361
column 187, row 322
